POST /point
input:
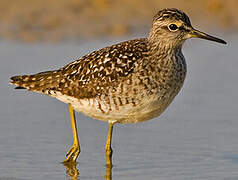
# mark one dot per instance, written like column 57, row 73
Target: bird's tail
column 37, row 82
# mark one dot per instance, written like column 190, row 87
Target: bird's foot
column 72, row 154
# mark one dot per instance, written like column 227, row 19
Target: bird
column 128, row 82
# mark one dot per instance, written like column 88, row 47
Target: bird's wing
column 90, row 75
column 93, row 73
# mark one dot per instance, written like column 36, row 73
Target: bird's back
column 90, row 75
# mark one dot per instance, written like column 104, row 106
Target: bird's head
column 173, row 27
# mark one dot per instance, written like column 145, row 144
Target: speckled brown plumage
column 128, row 82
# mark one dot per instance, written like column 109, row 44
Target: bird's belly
column 150, row 109
column 129, row 113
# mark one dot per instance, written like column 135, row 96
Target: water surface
column 195, row 138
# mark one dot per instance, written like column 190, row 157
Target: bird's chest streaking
column 154, row 86
column 142, row 95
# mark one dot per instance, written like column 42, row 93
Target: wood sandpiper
column 129, row 82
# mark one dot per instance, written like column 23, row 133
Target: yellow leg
column 74, row 151
column 108, row 149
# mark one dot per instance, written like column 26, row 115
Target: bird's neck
column 164, row 47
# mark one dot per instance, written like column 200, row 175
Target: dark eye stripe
column 181, row 28
column 184, row 29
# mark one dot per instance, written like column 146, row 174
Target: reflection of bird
column 129, row 82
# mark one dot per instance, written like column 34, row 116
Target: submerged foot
column 72, row 154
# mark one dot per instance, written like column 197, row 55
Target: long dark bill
column 199, row 34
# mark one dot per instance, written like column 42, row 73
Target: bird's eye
column 173, row 27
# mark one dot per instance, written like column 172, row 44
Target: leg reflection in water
column 71, row 170
column 108, row 175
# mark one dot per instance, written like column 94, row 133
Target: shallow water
column 195, row 138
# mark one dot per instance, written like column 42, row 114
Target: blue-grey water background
column 195, row 138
